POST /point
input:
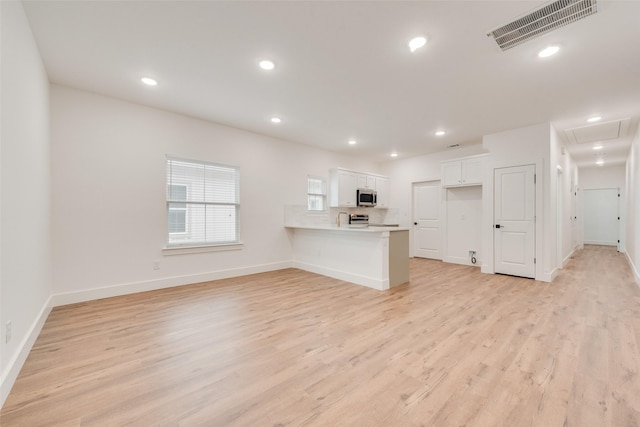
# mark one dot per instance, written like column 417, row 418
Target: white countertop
column 371, row 229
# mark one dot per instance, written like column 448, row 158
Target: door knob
column 415, row 223
column 499, row 226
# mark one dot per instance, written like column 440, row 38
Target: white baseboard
column 548, row 277
column 599, row 243
column 15, row 364
column 461, row 260
column 370, row 282
column 487, row 269
column 151, row 285
column 634, row 270
column 566, row 260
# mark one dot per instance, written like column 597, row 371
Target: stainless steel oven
column 366, row 197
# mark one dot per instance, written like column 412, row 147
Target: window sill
column 181, row 250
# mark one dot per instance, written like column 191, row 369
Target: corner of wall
column 20, row 356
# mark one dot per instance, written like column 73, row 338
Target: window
column 178, row 211
column 316, row 194
column 203, row 203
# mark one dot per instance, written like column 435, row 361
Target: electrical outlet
column 156, row 265
column 7, row 332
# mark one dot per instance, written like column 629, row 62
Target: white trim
column 634, row 270
column 180, row 250
column 595, row 242
column 460, row 260
column 549, row 277
column 370, row 282
column 566, row 260
column 442, row 211
column 488, row 207
column 471, row 157
column 150, row 285
column 20, row 356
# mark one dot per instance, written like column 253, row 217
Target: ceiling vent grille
column 543, row 20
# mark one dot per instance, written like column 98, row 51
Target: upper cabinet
column 366, row 181
column 343, row 185
column 382, row 190
column 462, row 172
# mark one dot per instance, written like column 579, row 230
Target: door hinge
column 534, row 260
column 534, row 178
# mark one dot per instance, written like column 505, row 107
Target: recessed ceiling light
column 394, row 154
column 440, row 133
column 416, row 43
column 600, row 162
column 149, row 81
column 594, row 119
column 276, row 120
column 352, row 142
column 266, row 64
column 597, row 147
column 548, row 51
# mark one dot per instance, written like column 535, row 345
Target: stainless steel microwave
column 366, row 197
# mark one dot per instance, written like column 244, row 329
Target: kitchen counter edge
column 371, row 229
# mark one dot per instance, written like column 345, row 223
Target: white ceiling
column 343, row 68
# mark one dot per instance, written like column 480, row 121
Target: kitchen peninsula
column 376, row 257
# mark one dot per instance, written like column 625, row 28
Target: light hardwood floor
column 454, row 347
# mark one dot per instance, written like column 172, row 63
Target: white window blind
column 316, row 194
column 203, row 203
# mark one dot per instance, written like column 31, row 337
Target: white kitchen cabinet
column 343, row 185
column 382, row 189
column 367, row 181
column 463, row 172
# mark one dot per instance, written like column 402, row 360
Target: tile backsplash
column 298, row 215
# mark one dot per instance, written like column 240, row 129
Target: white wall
column 403, row 173
column 602, row 177
column 109, row 219
column 25, row 278
column 567, row 226
column 538, row 145
column 463, row 227
column 632, row 225
column 523, row 146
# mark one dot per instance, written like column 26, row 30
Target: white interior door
column 514, row 226
column 427, row 233
column 601, row 216
column 575, row 236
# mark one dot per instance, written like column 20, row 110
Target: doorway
column 560, row 219
column 602, row 217
column 514, row 221
column 427, row 231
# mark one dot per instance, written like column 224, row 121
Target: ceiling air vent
column 547, row 18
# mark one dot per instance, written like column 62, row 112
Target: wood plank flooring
column 290, row 348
